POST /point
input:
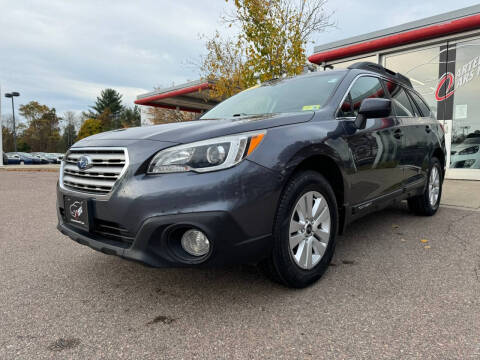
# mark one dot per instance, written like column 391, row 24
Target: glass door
column 462, row 86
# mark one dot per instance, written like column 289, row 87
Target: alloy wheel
column 309, row 230
column 434, row 186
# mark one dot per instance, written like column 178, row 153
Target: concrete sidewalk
column 43, row 167
column 461, row 193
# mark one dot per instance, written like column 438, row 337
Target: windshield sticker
column 311, row 107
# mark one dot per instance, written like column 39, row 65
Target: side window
column 400, row 101
column 364, row 87
column 424, row 109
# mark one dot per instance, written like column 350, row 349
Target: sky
column 62, row 53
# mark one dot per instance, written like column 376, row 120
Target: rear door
column 412, row 130
column 374, row 150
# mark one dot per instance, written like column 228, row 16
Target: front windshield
column 25, row 155
column 303, row 93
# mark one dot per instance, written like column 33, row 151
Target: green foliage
column 43, row 131
column 69, row 136
column 130, row 117
column 110, row 100
column 90, row 127
column 271, row 43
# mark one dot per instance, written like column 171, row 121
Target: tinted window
column 400, row 101
column 364, row 87
column 424, row 109
column 303, row 93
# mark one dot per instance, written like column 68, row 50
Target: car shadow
column 136, row 283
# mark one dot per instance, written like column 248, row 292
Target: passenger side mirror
column 372, row 108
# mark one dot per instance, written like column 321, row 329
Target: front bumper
column 235, row 208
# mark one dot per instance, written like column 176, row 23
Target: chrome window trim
column 85, row 194
column 378, row 76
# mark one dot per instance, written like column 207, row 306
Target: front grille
column 114, row 232
column 108, row 166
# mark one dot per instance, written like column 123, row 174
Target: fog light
column 195, row 243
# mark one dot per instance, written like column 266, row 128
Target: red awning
column 193, row 97
column 407, row 37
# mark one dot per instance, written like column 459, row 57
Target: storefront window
column 422, row 67
column 465, row 149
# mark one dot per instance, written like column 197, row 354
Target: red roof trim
column 149, row 100
column 429, row 32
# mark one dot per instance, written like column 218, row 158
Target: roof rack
column 366, row 65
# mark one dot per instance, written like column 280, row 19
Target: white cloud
column 63, row 52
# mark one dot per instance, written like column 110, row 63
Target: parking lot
column 386, row 295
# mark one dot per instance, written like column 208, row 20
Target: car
column 34, row 159
column 466, row 154
column 56, row 156
column 23, row 158
column 269, row 176
column 11, row 159
column 45, row 158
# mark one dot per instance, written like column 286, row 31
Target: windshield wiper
column 239, row 114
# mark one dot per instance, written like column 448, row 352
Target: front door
column 375, row 149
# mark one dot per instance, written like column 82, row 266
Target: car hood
column 197, row 130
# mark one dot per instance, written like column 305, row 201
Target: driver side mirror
column 372, row 108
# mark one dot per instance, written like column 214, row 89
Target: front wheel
column 304, row 232
column 428, row 203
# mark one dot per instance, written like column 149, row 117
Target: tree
column 131, row 117
column 270, row 44
column 90, row 127
column 69, row 132
column 110, row 100
column 159, row 115
column 43, row 131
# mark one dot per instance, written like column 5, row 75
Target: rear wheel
column 428, row 203
column 304, row 232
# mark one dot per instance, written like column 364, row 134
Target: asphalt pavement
column 400, row 287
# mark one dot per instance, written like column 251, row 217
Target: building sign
column 464, row 75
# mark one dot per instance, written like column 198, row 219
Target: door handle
column 428, row 128
column 398, row 134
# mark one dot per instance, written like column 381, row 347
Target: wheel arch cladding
column 328, row 168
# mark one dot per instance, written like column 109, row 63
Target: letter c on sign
column 449, row 91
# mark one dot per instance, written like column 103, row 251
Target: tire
column 294, row 267
column 423, row 204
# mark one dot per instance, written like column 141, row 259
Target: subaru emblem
column 84, row 162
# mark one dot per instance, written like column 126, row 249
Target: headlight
column 209, row 155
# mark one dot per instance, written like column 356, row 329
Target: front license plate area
column 77, row 212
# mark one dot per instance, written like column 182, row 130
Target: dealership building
column 440, row 55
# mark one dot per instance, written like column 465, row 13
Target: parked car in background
column 57, row 156
column 45, row 158
column 26, row 158
column 466, row 154
column 9, row 159
column 53, row 157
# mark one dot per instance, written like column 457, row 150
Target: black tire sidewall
column 289, row 272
